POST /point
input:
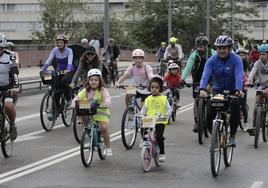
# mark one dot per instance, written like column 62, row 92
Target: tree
column 189, row 20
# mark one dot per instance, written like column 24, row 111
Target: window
column 114, row 6
column 259, row 24
column 11, row 7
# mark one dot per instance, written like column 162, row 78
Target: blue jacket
column 226, row 74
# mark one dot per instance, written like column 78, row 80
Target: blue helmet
column 263, row 48
column 223, row 40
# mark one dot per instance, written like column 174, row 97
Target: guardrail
column 37, row 80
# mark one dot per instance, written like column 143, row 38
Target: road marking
column 26, row 138
column 30, row 168
column 256, row 184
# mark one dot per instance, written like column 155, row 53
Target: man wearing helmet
column 9, row 82
column 260, row 72
column 140, row 72
column 174, row 51
column 63, row 56
column 226, row 70
column 195, row 65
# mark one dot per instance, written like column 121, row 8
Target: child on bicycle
column 172, row 80
column 157, row 105
column 95, row 90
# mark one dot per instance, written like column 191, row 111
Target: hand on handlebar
column 203, row 93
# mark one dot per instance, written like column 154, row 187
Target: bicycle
column 129, row 122
column 172, row 102
column 219, row 140
column 6, row 142
column 163, row 67
column 49, row 109
column 113, row 71
column 150, row 149
column 260, row 122
column 92, row 138
column 175, row 60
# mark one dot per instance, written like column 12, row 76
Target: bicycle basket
column 131, row 90
column 219, row 102
column 85, row 107
column 47, row 78
column 148, row 122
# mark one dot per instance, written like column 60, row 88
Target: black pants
column 243, row 103
column 234, row 105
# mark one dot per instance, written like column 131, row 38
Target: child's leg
column 160, row 138
column 105, row 133
column 176, row 93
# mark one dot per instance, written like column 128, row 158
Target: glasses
column 138, row 57
column 90, row 54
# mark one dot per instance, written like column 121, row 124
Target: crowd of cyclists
column 229, row 66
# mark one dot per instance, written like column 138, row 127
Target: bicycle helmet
column 163, row 43
column 138, row 53
column 202, row 40
column 9, row 44
column 241, row 50
column 263, row 48
column 62, row 37
column 173, row 40
column 223, row 40
column 173, row 66
column 90, row 50
column 3, row 41
column 110, row 40
column 84, row 41
column 94, row 72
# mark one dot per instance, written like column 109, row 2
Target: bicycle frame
column 93, row 128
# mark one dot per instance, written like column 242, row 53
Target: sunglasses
column 90, row 54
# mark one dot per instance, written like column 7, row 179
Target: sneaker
column 251, row 131
column 162, row 157
column 232, row 141
column 109, row 152
column 245, row 125
column 13, row 132
column 195, row 130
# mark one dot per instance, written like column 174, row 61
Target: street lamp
column 263, row 5
column 106, row 29
column 169, row 18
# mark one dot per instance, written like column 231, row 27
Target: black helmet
column 91, row 49
column 202, row 40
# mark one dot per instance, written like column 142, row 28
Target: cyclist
column 244, row 55
column 111, row 55
column 226, row 70
column 88, row 60
column 64, row 58
column 161, row 51
column 95, row 90
column 172, row 80
column 9, row 82
column 155, row 105
column 260, row 71
column 196, row 64
column 84, row 43
column 174, row 51
column 141, row 74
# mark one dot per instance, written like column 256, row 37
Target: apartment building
column 17, row 17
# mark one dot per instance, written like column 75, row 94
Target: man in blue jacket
column 226, row 70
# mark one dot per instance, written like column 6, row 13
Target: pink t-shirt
column 140, row 76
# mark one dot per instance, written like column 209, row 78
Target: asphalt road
column 52, row 159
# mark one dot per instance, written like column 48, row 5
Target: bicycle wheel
column 48, row 112
column 215, row 151
column 200, row 120
column 146, row 159
column 227, row 149
column 101, row 148
column 156, row 156
column 6, row 142
column 78, row 127
column 258, row 126
column 86, row 148
column 129, row 128
column 264, row 133
column 67, row 114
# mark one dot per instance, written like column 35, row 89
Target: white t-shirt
column 94, row 43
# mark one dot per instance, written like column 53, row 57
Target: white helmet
column 138, row 53
column 173, row 66
column 84, row 41
column 9, row 44
column 3, row 41
column 93, row 72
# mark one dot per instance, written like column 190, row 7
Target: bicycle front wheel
column 86, row 148
column 129, row 128
column 201, row 120
column 258, row 126
column 48, row 112
column 6, row 142
column 215, row 151
column 146, row 159
column 264, row 127
column 78, row 127
column 227, row 149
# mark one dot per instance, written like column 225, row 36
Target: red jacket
column 253, row 56
column 173, row 80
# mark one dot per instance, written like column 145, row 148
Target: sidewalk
column 33, row 71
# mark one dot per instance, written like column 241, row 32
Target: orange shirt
column 173, row 80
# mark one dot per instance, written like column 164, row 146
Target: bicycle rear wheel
column 258, row 126
column 156, row 156
column 129, row 128
column 86, row 148
column 200, row 120
column 264, row 127
column 146, row 159
column 6, row 142
column 78, row 127
column 215, row 151
column 48, row 112
column 67, row 115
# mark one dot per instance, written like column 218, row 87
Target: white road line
column 22, row 171
column 256, row 184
